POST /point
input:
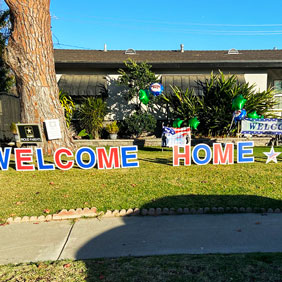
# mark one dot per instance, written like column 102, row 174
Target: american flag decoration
column 176, row 136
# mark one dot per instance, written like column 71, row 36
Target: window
column 279, row 99
column 278, row 93
column 278, row 86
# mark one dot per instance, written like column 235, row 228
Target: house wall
column 119, row 108
column 259, row 79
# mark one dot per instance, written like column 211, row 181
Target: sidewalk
column 140, row 236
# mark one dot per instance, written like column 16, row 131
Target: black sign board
column 29, row 133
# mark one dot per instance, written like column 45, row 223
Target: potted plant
column 112, row 128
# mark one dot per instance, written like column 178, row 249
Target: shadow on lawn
column 169, row 161
column 116, row 241
column 165, row 161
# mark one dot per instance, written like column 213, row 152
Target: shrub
column 136, row 76
column 218, row 93
column 183, row 104
column 139, row 123
column 214, row 107
column 91, row 114
column 68, row 106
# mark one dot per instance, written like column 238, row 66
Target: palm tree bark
column 30, row 55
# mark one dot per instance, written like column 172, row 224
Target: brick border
column 93, row 212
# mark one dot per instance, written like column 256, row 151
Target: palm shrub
column 183, row 104
column 214, row 107
column 218, row 93
column 261, row 102
column 91, row 115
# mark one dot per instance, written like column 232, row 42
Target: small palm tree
column 91, row 114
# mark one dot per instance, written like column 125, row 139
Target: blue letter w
column 5, row 158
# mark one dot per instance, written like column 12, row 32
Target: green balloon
column 253, row 115
column 144, row 96
column 238, row 102
column 177, row 123
column 194, row 122
column 262, row 116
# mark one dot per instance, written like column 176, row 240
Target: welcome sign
column 126, row 157
column 262, row 126
column 118, row 157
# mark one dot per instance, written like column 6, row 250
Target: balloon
column 156, row 89
column 262, row 116
column 253, row 115
column 194, row 122
column 239, row 115
column 177, row 123
column 144, row 96
column 238, row 102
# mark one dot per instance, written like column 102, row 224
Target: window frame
column 278, row 93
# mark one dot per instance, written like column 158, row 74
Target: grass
column 156, row 183
column 238, row 267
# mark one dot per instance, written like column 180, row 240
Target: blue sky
column 164, row 24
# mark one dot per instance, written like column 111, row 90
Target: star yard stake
column 272, row 155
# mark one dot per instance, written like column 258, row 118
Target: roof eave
column 198, row 64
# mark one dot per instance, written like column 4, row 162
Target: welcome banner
column 267, row 126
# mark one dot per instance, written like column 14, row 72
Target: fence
column 9, row 112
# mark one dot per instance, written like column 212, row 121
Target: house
column 90, row 72
column 82, row 73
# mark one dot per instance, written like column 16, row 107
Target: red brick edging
column 92, row 212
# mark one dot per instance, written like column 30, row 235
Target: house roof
column 161, row 57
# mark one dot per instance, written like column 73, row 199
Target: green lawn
column 156, row 183
column 241, row 267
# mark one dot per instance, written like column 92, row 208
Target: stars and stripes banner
column 267, row 126
column 176, row 136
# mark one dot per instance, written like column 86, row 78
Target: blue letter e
column 128, row 153
column 241, row 152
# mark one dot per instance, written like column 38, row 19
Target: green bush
column 136, row 76
column 183, row 104
column 91, row 115
column 214, row 107
column 139, row 123
column 68, row 106
column 218, row 93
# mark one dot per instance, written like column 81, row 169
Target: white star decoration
column 272, row 155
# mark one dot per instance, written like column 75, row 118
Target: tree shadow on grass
column 156, row 149
column 165, row 161
column 202, row 201
column 169, row 161
column 133, row 236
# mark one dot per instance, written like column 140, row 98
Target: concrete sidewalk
column 140, row 236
